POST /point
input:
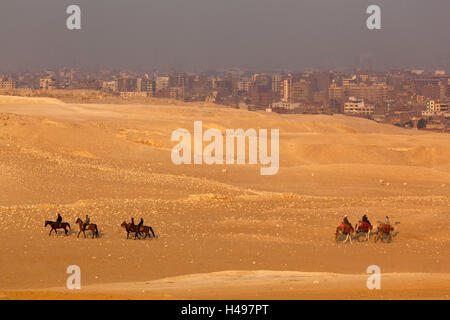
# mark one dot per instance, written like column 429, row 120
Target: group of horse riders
column 85, row 225
column 59, row 220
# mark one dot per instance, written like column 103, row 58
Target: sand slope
column 113, row 162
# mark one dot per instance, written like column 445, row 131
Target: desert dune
column 223, row 231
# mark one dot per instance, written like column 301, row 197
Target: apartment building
column 357, row 106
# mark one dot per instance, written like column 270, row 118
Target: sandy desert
column 223, row 231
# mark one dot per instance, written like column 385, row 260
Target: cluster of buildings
column 400, row 97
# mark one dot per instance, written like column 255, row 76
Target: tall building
column 295, row 90
column 260, row 96
column 127, row 85
column 276, row 82
column 161, row 83
column 148, row 86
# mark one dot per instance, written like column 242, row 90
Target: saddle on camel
column 363, row 231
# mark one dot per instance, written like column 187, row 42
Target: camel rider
column 346, row 222
column 366, row 220
column 386, row 221
column 59, row 220
column 141, row 223
column 87, row 222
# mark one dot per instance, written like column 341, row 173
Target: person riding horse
column 86, row 222
column 141, row 223
column 59, row 220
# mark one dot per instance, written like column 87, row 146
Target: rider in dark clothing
column 141, row 223
column 59, row 219
column 366, row 220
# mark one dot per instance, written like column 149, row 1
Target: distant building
column 146, row 85
column 358, row 107
column 435, row 108
column 295, row 90
column 260, row 96
column 276, row 83
column 286, row 105
column 161, row 83
column 244, row 85
column 132, row 94
column 127, row 85
column 111, row 86
column 47, row 83
column 7, row 84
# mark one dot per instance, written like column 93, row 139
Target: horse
column 146, row 230
column 346, row 230
column 56, row 225
column 363, row 228
column 133, row 228
column 91, row 227
column 130, row 228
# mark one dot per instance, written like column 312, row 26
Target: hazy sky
column 214, row 34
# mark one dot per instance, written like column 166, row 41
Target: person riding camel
column 366, row 220
column 386, row 221
column 87, row 222
column 59, row 220
column 346, row 222
column 141, row 223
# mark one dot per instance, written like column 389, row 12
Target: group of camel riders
column 364, row 220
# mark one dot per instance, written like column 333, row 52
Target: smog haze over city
column 194, row 35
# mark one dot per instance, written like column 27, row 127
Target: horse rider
column 132, row 225
column 59, row 220
column 86, row 222
column 141, row 223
